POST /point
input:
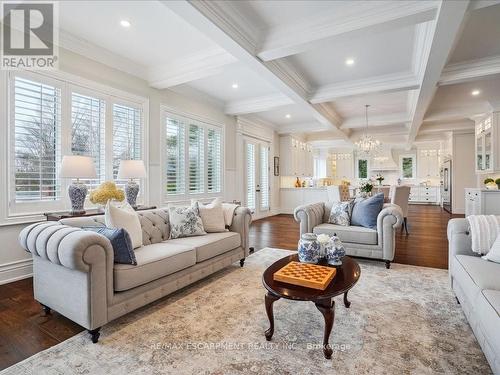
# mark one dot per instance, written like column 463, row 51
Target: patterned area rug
column 402, row 321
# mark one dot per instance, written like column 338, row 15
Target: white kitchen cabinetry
column 482, row 202
column 343, row 166
column 291, row 198
column 488, row 143
column 428, row 163
column 425, row 194
column 296, row 158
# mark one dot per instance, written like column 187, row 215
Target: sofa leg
column 251, row 249
column 406, row 225
column 242, row 262
column 94, row 334
column 458, row 301
column 387, row 264
column 46, row 309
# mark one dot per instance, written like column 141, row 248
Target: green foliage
column 497, row 181
column 488, row 180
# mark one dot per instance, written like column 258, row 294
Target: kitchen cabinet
column 428, row 163
column 343, row 166
column 482, row 202
column 487, row 136
column 425, row 194
column 296, row 157
column 291, row 198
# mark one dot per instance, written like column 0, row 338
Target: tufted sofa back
column 155, row 224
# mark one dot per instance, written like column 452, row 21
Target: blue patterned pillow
column 185, row 222
column 120, row 241
column 366, row 210
column 341, row 213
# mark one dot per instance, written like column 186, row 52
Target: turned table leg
column 327, row 308
column 270, row 299
column 346, row 301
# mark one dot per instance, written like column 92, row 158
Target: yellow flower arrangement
column 105, row 192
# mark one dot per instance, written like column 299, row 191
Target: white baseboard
column 18, row 270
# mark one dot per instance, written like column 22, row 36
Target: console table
column 56, row 216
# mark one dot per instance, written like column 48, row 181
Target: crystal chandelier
column 367, row 145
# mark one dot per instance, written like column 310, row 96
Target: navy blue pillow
column 366, row 210
column 120, row 241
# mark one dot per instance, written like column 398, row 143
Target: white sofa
column 476, row 283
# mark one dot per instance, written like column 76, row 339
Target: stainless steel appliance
column 446, row 188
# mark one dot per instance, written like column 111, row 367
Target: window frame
column 413, row 166
column 190, row 119
column 367, row 168
column 13, row 212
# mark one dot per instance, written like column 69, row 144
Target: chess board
column 307, row 275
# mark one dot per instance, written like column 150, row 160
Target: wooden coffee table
column 347, row 276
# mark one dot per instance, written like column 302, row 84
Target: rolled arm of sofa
column 388, row 220
column 309, row 216
column 459, row 238
column 68, row 246
column 241, row 224
column 391, row 215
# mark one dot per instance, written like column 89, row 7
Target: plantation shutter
column 87, row 132
column 250, row 166
column 127, row 124
column 196, row 172
column 175, row 157
column 214, row 161
column 37, row 144
column 264, row 177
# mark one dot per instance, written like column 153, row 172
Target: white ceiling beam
column 447, row 27
column 380, row 84
column 376, row 121
column 301, row 128
column 459, row 125
column 460, row 113
column 259, row 104
column 227, row 29
column 355, row 18
column 201, row 65
column 381, row 130
column 470, row 70
column 480, row 4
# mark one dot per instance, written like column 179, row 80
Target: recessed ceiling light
column 288, row 115
column 475, row 92
column 234, row 85
column 349, row 62
column 125, row 23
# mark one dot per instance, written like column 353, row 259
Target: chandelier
column 367, row 145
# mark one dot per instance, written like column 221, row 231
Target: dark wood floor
column 24, row 330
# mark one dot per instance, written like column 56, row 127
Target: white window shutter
column 175, row 153
column 264, row 177
column 250, row 166
column 214, row 161
column 196, row 172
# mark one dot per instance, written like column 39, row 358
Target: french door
column 257, row 187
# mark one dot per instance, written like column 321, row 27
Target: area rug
column 404, row 320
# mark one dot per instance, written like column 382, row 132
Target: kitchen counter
column 304, row 188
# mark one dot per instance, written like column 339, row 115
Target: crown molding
column 469, row 70
column 378, row 84
column 255, row 123
column 89, row 50
column 424, row 33
column 186, row 69
column 327, row 110
column 288, row 74
column 259, row 104
column 440, row 127
column 461, row 113
column 358, row 17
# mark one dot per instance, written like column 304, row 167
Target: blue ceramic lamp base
column 77, row 193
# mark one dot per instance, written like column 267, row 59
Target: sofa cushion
column 365, row 211
column 488, row 310
column 153, row 261
column 350, row 234
column 211, row 244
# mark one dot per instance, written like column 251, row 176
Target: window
column 37, row 141
column 87, row 132
column 175, row 157
column 319, row 167
column 50, row 118
column 214, row 163
column 407, row 166
column 250, row 165
column 126, row 135
column 264, row 177
column 193, row 157
column 362, row 168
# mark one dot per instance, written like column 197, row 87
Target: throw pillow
column 366, row 210
column 185, row 222
column 120, row 241
column 125, row 217
column 340, row 213
column 494, row 253
column 212, row 215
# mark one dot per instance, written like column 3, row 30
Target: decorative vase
column 131, row 192
column 77, row 192
column 309, row 248
column 335, row 251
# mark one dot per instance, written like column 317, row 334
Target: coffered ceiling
column 308, row 66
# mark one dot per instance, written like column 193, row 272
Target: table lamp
column 131, row 169
column 74, row 166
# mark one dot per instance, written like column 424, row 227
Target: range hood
column 384, row 161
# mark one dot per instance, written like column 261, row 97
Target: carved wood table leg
column 327, row 308
column 270, row 299
column 346, row 302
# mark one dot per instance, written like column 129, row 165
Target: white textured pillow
column 212, row 215
column 124, row 217
column 494, row 253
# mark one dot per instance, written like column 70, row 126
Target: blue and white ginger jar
column 309, row 248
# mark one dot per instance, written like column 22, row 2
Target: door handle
column 257, row 190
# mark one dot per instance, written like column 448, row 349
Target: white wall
column 15, row 263
column 463, row 171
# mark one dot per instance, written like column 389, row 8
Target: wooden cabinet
column 488, row 143
column 482, row 202
column 425, row 194
column 296, row 158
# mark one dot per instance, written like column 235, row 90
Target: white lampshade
column 74, row 166
column 131, row 169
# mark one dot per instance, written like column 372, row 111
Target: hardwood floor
column 24, row 330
